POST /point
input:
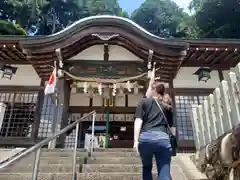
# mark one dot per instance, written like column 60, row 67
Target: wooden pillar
column 126, row 100
column 80, row 134
column 64, row 103
column 173, row 94
column 37, row 116
column 220, row 74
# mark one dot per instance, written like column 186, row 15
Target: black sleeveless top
column 152, row 117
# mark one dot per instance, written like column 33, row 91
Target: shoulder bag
column 173, row 139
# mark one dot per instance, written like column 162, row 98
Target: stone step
column 115, row 154
column 84, row 160
column 41, row 176
column 176, row 174
column 51, row 153
column 121, row 168
column 63, row 150
column 114, row 150
column 28, row 168
column 113, row 160
column 63, row 154
column 53, row 160
column 117, row 160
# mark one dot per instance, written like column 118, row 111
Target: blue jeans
column 155, row 144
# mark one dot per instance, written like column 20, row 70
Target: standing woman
column 151, row 133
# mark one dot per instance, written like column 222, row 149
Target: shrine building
column 105, row 47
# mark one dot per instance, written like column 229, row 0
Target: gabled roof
column 169, row 54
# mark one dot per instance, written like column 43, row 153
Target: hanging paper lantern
column 114, row 90
column 60, row 73
column 129, row 86
column 136, row 88
column 100, row 89
column 121, row 92
column 74, row 90
column 85, row 87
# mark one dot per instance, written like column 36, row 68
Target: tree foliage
column 163, row 18
column 58, row 14
column 217, row 18
column 188, row 27
column 210, row 18
column 99, row 7
column 50, row 16
column 8, row 28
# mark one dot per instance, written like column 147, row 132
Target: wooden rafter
column 203, row 55
column 219, row 57
column 211, row 56
column 10, row 53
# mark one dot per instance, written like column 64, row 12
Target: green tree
column 58, row 14
column 161, row 17
column 101, row 7
column 6, row 10
column 8, row 28
column 22, row 12
column 219, row 18
column 188, row 27
column 195, row 5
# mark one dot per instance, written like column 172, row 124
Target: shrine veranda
column 105, row 47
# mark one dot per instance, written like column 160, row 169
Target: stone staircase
column 109, row 164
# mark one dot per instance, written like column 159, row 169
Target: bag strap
column 165, row 118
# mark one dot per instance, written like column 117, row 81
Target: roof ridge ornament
column 106, row 37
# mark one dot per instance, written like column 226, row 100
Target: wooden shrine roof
column 169, row 54
column 214, row 53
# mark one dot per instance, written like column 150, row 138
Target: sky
column 131, row 5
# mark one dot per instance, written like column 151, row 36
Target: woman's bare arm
column 149, row 90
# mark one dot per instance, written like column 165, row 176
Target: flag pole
column 55, row 120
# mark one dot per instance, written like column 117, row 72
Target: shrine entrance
column 113, row 130
column 119, row 135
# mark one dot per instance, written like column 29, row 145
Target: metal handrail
column 37, row 147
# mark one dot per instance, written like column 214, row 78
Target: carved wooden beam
column 106, row 37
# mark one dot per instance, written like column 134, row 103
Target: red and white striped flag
column 51, row 85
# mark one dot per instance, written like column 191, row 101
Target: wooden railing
column 216, row 126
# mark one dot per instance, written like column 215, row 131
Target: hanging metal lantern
column 203, row 74
column 8, row 71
